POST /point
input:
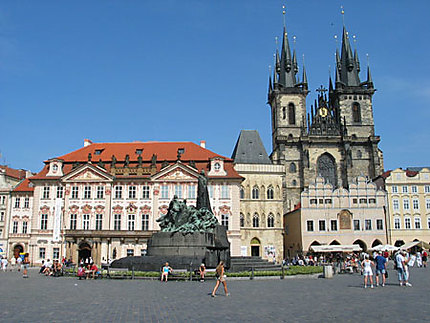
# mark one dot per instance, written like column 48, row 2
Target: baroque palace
column 103, row 200
column 323, row 183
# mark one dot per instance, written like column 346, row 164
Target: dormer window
column 98, row 151
column 181, row 150
column 217, row 166
column 54, row 168
column 139, row 151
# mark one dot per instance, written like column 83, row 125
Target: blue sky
column 115, row 71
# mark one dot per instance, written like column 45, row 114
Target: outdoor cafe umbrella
column 422, row 244
column 385, row 247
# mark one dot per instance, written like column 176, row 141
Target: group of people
column 51, row 268
column 88, row 271
column 402, row 262
column 20, row 262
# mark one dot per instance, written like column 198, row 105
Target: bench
column 124, row 272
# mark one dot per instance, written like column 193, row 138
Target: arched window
column 270, row 221
column 255, row 193
column 293, row 168
column 255, row 221
column 242, row 220
column 284, row 113
column 359, row 154
column 326, row 166
column 242, row 193
column 291, row 114
column 270, row 193
column 356, row 112
column 294, row 182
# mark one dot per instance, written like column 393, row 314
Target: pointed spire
column 270, row 84
column 357, row 62
column 369, row 78
column 278, row 62
column 296, row 67
column 286, row 75
column 348, row 63
column 304, row 78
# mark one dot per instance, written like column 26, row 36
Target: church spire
column 287, row 75
column 348, row 64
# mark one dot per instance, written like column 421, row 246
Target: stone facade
column 261, row 210
column 336, row 216
column 107, row 209
column 409, row 205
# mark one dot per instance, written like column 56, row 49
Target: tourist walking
column 165, row 271
column 4, row 264
column 220, row 279
column 25, row 265
column 12, row 263
column 424, row 258
column 202, row 272
column 367, row 271
column 19, row 262
column 402, row 270
column 381, row 268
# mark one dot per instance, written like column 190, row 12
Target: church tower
column 352, row 99
column 336, row 139
column 287, row 99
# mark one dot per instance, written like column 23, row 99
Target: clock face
column 323, row 112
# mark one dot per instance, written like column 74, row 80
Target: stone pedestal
column 182, row 251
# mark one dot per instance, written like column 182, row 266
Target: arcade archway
column 84, row 251
column 255, row 247
column 17, row 249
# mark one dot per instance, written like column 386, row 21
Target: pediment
column 177, row 172
column 87, row 173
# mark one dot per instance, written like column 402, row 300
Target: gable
column 177, row 172
column 87, row 174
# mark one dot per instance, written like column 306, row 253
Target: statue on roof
column 113, row 164
column 127, row 161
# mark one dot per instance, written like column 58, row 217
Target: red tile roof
column 15, row 173
column 24, row 186
column 165, row 151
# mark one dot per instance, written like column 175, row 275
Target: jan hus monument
column 190, row 235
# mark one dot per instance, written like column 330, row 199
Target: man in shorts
column 381, row 268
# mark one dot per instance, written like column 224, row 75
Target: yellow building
column 409, row 205
column 261, row 198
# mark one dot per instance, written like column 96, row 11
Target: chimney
column 87, row 142
column 203, row 143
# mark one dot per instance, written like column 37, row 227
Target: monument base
column 182, row 251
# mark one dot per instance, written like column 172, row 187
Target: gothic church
column 336, row 138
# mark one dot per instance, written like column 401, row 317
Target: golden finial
column 283, row 14
column 343, row 14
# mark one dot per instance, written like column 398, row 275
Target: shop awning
column 412, row 244
column 336, row 248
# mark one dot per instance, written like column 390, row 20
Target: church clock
column 323, row 112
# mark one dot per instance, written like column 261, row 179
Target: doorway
column 255, row 247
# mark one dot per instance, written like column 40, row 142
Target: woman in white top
column 367, row 270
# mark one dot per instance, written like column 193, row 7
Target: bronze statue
column 187, row 219
column 127, row 161
column 113, row 164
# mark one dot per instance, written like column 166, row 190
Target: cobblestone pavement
column 341, row 299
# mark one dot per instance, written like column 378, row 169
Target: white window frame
column 406, row 204
column 394, row 189
column 415, row 204
column 85, row 222
column 310, row 222
column 417, row 220
column 87, row 192
column 146, row 192
column 164, row 191
column 408, row 224
column 74, row 192
column 45, row 193
column 397, row 223
column 414, row 189
column 100, row 192
column 225, row 192
column 132, row 192
column 131, row 222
